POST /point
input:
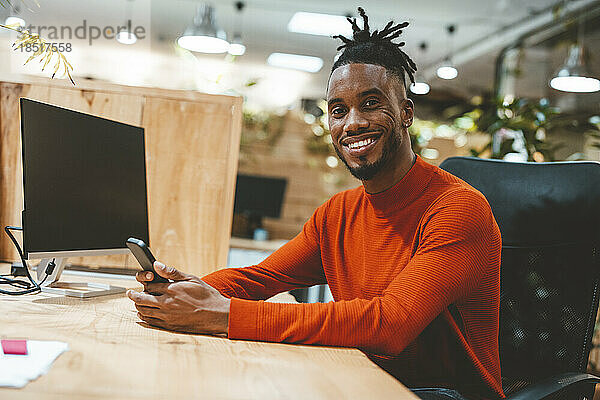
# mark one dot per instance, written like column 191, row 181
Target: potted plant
column 47, row 53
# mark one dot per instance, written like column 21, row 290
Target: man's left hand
column 187, row 304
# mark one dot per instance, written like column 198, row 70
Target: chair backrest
column 548, row 214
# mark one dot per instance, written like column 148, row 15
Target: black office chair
column 549, row 217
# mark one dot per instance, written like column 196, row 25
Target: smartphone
column 142, row 254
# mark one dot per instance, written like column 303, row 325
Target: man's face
column 367, row 111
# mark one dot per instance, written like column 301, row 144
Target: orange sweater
column 415, row 274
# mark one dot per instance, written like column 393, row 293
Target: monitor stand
column 71, row 289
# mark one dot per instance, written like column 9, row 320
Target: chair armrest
column 552, row 385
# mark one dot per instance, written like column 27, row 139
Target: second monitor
column 257, row 197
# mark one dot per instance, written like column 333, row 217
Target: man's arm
column 296, row 264
column 460, row 246
column 189, row 304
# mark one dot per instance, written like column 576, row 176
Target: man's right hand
column 146, row 277
column 184, row 304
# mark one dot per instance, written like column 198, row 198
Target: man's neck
column 388, row 177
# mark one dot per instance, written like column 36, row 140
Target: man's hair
column 376, row 48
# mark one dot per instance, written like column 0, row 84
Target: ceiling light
column 578, row 84
column 320, row 24
column 15, row 21
column 203, row 35
column 419, row 88
column 237, row 48
column 447, row 71
column 125, row 37
column 295, row 61
column 573, row 76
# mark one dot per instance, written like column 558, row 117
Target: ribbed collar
column 404, row 192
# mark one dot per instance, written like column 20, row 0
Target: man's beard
column 368, row 171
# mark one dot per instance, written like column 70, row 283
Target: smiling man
column 412, row 255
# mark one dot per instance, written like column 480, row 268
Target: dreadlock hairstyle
column 376, row 48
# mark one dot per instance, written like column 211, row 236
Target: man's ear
column 407, row 112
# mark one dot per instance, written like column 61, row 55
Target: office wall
column 192, row 142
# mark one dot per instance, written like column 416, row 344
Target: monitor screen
column 84, row 181
column 259, row 195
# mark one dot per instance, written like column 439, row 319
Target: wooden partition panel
column 192, row 143
column 190, row 181
column 11, row 186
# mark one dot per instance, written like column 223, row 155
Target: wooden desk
column 262, row 245
column 113, row 355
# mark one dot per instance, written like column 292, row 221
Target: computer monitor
column 257, row 197
column 84, row 181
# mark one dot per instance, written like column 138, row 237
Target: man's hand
column 187, row 304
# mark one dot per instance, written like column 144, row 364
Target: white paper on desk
column 17, row 370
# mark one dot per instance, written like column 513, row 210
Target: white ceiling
column 265, row 23
column 264, row 29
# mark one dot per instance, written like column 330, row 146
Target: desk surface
column 263, row 245
column 113, row 355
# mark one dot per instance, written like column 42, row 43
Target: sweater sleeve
column 459, row 242
column 296, row 264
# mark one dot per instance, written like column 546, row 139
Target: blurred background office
column 507, row 79
column 484, row 86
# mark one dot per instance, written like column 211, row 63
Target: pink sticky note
column 18, row 347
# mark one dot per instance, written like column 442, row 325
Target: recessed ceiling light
column 295, row 61
column 320, row 24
